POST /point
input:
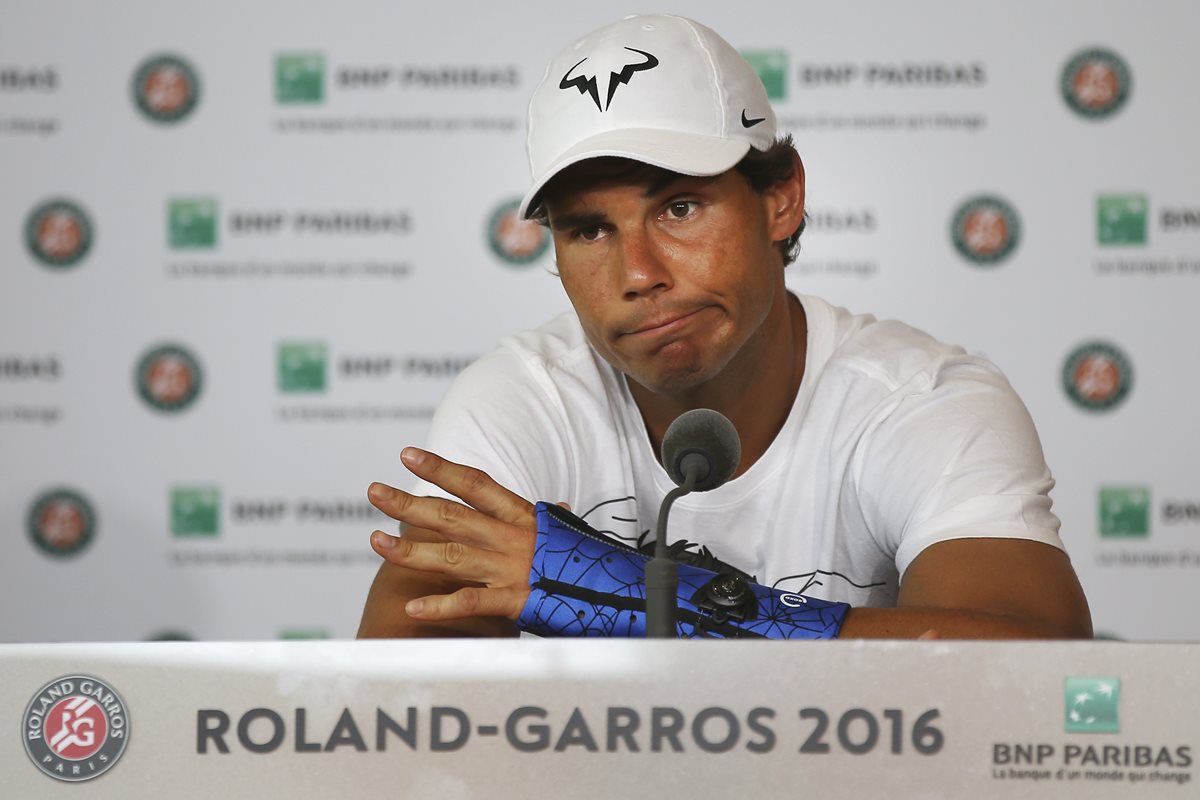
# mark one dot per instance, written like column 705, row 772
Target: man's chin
column 675, row 380
column 677, row 369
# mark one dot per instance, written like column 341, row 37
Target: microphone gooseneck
column 700, row 451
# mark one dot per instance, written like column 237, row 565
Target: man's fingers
column 454, row 520
column 444, row 558
column 474, row 486
column 469, row 602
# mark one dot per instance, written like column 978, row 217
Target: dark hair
column 762, row 169
column 765, row 168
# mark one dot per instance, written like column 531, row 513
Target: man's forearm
column 911, row 623
column 384, row 617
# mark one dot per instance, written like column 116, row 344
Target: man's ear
column 785, row 203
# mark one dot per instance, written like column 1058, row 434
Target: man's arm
column 982, row 589
column 468, row 564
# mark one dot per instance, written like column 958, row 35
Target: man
column 879, row 467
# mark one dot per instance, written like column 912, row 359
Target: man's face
column 672, row 276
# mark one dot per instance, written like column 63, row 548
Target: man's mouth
column 664, row 324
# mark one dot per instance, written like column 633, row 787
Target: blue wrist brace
column 584, row 584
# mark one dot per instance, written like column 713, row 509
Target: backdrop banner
column 245, row 247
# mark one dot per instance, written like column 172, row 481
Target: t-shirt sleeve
column 497, row 416
column 959, row 459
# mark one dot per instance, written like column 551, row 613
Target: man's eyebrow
column 583, row 219
column 664, row 180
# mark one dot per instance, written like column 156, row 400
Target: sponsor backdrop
column 244, row 249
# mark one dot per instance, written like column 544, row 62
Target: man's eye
column 589, row 234
column 681, row 208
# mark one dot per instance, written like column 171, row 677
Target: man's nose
column 644, row 265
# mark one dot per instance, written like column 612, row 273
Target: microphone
column 700, row 451
column 704, row 440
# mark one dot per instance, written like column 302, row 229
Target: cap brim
column 687, row 154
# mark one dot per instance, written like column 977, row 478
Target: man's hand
column 478, row 552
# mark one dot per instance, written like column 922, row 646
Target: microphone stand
column 662, row 574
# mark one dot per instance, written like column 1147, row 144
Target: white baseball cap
column 662, row 90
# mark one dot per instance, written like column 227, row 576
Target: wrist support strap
column 584, row 584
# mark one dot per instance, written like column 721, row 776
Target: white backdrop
column 230, row 295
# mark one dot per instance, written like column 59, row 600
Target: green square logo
column 771, row 66
column 304, row 633
column 1121, row 219
column 1124, row 511
column 299, row 78
column 195, row 511
column 192, row 223
column 1092, row 705
column 301, row 366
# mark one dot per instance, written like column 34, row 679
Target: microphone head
column 706, row 434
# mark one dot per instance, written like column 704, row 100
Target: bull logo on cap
column 587, row 84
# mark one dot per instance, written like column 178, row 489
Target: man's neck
column 756, row 391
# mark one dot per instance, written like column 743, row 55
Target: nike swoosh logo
column 750, row 123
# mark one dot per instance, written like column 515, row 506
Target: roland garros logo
column 166, row 88
column 61, row 522
column 1096, row 83
column 1097, row 376
column 985, row 230
column 515, row 240
column 168, row 377
column 75, row 728
column 58, row 233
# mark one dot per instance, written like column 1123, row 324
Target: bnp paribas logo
column 1122, row 219
column 195, row 510
column 1096, row 83
column 301, row 366
column 985, row 230
column 1124, row 511
column 299, row 78
column 192, row 223
column 170, row 635
column 1092, row 705
column 297, row 634
column 166, row 88
column 772, row 67
column 58, row 233
column 516, row 241
column 61, row 522
column 168, row 377
column 1097, row 376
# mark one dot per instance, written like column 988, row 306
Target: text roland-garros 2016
column 610, row 729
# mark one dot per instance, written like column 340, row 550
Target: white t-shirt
column 895, row 442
